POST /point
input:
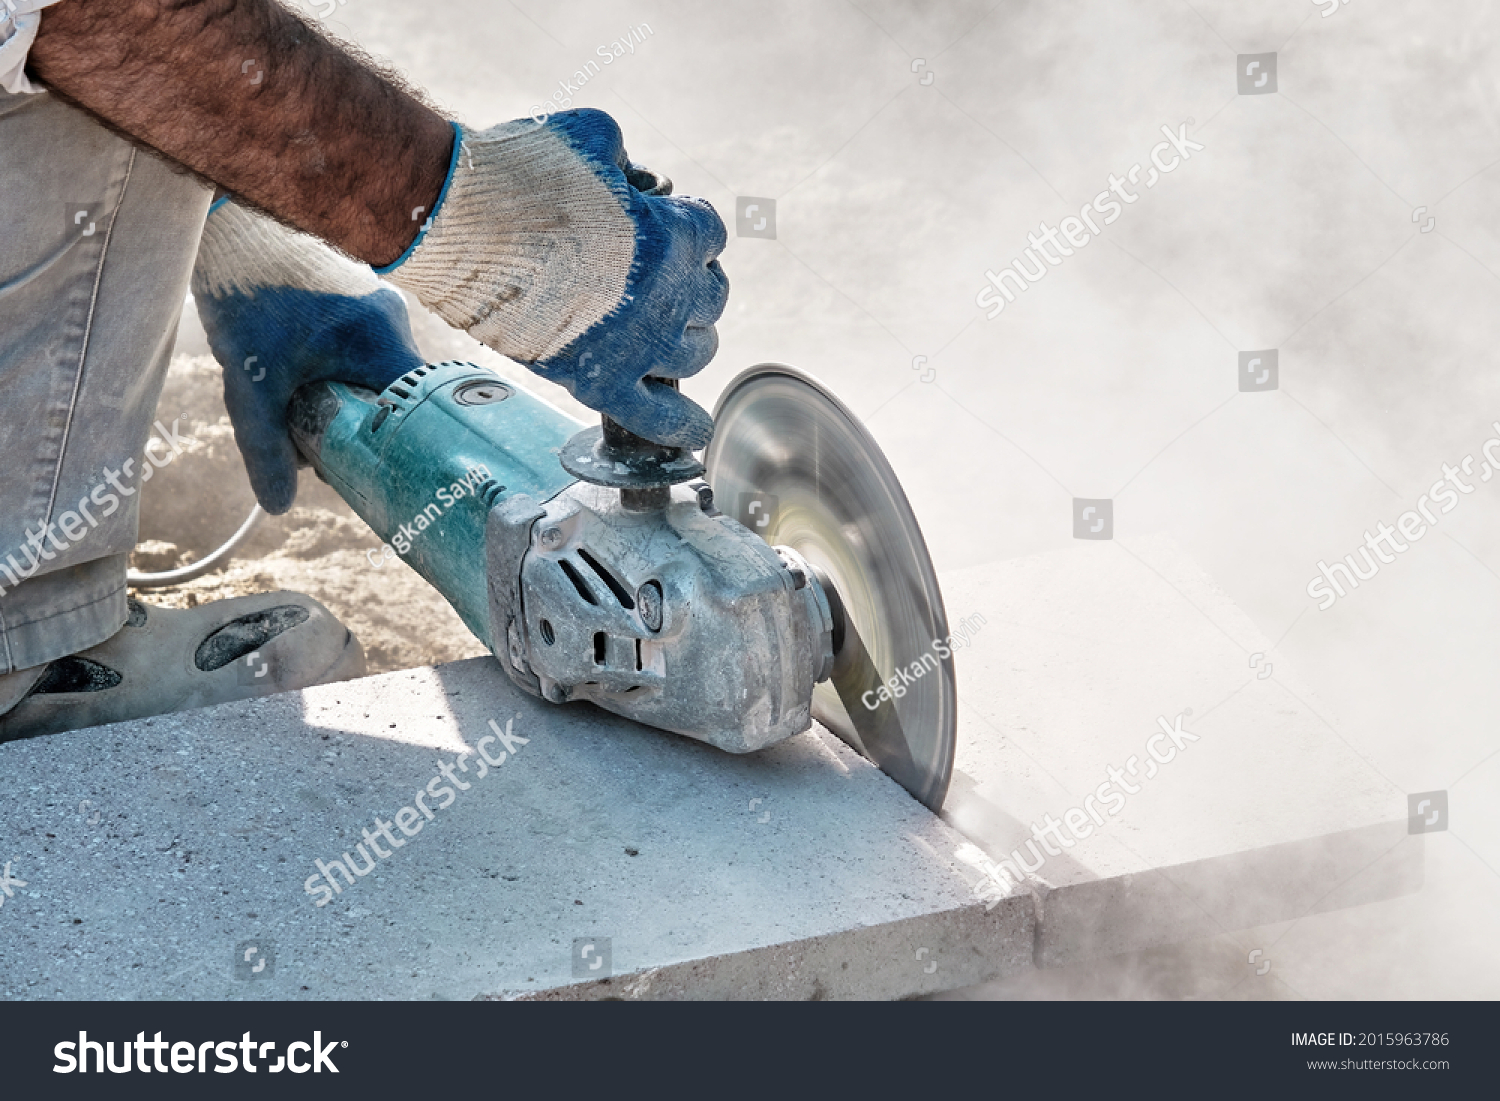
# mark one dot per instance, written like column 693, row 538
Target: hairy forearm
column 248, row 95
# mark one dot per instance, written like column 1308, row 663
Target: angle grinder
column 596, row 565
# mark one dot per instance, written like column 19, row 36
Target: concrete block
column 604, row 860
column 156, row 854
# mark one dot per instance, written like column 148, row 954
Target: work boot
column 168, row 659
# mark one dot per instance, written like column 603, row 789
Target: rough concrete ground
column 798, row 872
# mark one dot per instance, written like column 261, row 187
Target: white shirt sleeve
column 19, row 20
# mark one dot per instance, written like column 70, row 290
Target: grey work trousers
column 97, row 244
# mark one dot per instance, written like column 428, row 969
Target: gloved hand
column 541, row 249
column 282, row 309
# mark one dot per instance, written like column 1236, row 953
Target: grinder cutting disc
column 792, row 464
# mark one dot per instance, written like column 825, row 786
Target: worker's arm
column 527, row 235
column 250, row 97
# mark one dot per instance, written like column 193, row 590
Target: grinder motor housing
column 620, row 589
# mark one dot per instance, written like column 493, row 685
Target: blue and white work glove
column 541, row 249
column 282, row 309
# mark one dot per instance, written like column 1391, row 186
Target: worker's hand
column 282, row 309
column 540, row 248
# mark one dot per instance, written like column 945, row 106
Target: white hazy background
column 1115, row 376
